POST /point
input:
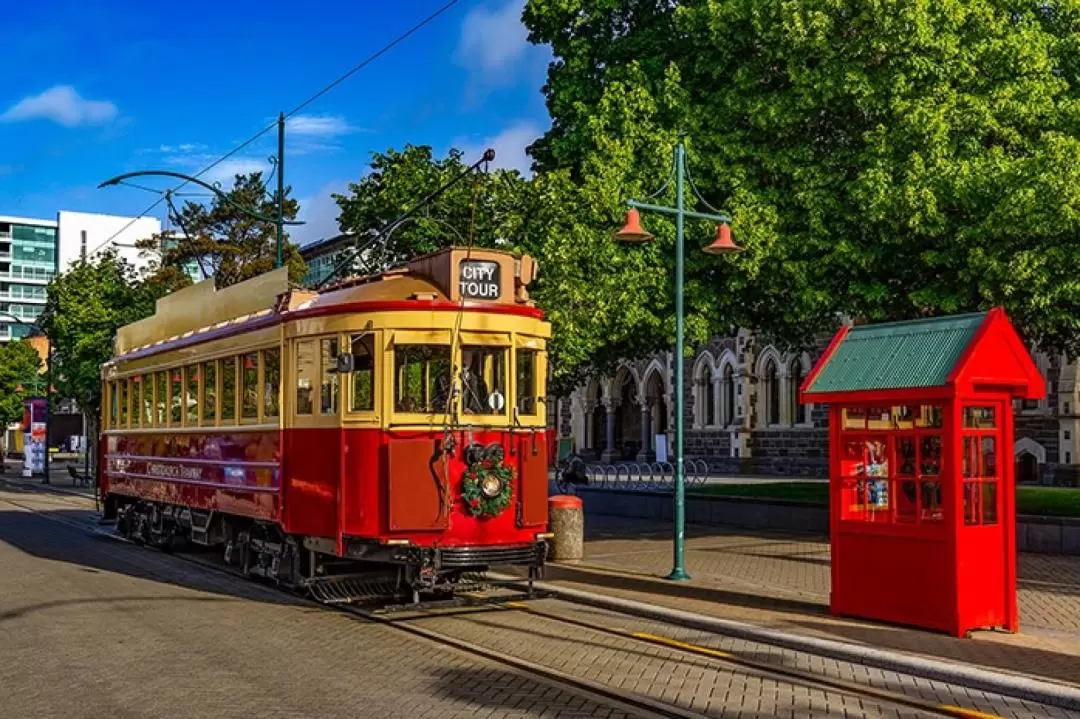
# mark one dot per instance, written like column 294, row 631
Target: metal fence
column 642, row 476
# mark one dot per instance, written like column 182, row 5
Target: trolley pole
column 633, row 233
column 280, row 187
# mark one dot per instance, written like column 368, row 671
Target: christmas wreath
column 487, row 485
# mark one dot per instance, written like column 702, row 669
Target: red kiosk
column 922, row 483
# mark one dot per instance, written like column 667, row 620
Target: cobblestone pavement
column 783, row 581
column 131, row 632
column 698, row 683
column 94, row 628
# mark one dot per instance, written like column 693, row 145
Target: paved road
column 92, row 627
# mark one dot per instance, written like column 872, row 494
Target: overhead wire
column 367, row 61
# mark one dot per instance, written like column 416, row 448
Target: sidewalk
column 59, row 479
column 782, row 582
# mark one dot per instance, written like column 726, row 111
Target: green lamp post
column 633, row 233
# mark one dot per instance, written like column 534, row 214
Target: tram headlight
column 490, row 487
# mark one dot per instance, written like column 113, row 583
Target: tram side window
column 329, row 394
column 228, row 389
column 148, row 400
column 251, row 386
column 526, row 382
column 305, row 376
column 136, row 401
column 123, row 402
column 191, row 397
column 271, row 383
column 161, row 400
column 176, row 396
column 483, row 380
column 422, row 378
column 209, row 405
column 114, row 406
column 363, row 375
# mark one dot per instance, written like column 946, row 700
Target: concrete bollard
column 567, row 518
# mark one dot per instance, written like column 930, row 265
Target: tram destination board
column 480, row 280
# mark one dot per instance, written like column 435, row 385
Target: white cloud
column 319, row 212
column 62, row 105
column 226, row 171
column 493, row 41
column 318, row 126
column 509, row 146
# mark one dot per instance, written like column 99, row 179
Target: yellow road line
column 967, row 713
column 666, row 641
column 948, row 709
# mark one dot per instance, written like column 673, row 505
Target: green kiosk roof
column 897, row 355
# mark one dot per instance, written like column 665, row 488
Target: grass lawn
column 1045, row 501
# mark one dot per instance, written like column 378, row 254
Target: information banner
column 35, row 438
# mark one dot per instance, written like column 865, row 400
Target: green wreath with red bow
column 487, row 486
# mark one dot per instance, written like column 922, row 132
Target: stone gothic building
column 742, row 414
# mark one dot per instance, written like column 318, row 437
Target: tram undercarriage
column 371, row 572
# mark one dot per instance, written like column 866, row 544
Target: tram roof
column 434, row 281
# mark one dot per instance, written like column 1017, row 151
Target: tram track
column 633, row 702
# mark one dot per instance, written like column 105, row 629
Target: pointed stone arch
column 728, row 379
column 1026, row 445
column 770, row 371
column 704, row 382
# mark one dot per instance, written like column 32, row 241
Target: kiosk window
column 421, row 378
column 526, row 382
column 483, row 380
column 271, row 383
column 329, row 394
column 228, row 389
column 209, row 407
column 980, row 466
column 305, row 377
column 250, row 386
column 891, row 464
column 363, row 375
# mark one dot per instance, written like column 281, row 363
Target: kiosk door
column 982, row 551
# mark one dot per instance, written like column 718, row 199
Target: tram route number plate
column 480, row 280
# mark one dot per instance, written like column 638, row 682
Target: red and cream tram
column 386, row 432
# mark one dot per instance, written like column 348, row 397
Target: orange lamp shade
column 632, row 231
column 722, row 245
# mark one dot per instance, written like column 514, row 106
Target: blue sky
column 92, row 90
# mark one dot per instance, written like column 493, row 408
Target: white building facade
column 83, row 235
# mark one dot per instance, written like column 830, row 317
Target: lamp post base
column 678, row 575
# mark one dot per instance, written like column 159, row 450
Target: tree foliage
column 84, row 308
column 20, row 377
column 484, row 208
column 883, row 159
column 224, row 241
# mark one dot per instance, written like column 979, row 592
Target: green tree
column 20, row 377
column 84, row 308
column 888, row 159
column 228, row 244
column 486, row 206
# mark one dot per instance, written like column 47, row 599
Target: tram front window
column 421, row 378
column 483, row 380
column 526, row 382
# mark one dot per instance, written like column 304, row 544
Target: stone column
column 609, row 454
column 645, row 455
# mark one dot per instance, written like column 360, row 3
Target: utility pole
column 280, row 186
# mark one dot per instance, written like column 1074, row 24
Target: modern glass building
column 28, row 257
column 323, row 256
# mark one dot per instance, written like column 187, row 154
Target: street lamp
column 633, row 233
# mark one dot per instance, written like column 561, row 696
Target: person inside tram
column 474, row 390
